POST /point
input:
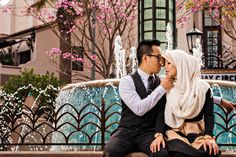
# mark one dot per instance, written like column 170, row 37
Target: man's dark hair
column 145, row 47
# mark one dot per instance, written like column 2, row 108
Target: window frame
column 154, row 19
column 208, row 58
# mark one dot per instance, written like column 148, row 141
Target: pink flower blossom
column 93, row 57
column 66, row 55
column 80, row 60
column 54, row 51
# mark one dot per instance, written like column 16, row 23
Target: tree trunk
column 65, row 65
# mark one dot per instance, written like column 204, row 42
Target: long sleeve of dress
column 160, row 120
column 209, row 114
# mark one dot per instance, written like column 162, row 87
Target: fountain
column 101, row 98
column 88, row 94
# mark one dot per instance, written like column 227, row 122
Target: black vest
column 148, row 120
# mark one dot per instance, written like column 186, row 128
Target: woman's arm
column 208, row 112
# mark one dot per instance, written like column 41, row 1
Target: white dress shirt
column 131, row 98
column 217, row 100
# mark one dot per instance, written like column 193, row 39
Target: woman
column 189, row 108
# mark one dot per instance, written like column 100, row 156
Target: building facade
column 27, row 42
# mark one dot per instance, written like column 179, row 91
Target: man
column 141, row 105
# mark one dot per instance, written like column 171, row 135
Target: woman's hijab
column 186, row 99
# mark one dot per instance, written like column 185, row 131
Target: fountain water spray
column 169, row 37
column 119, row 58
column 133, row 58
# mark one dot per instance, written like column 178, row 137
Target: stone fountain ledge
column 94, row 83
column 115, row 82
column 52, row 154
column 77, row 154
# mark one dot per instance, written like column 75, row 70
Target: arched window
column 153, row 18
column 212, row 42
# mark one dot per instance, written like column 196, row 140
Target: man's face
column 153, row 60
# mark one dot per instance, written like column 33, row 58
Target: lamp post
column 192, row 36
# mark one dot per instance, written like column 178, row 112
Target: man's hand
column 156, row 144
column 167, row 82
column 211, row 144
column 228, row 105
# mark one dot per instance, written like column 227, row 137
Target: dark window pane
column 78, row 52
column 161, row 36
column 148, row 35
column 160, row 3
column 209, row 34
column 161, row 25
column 147, row 3
column 161, row 13
column 215, row 41
column 215, row 33
column 148, row 25
column 148, row 14
column 25, row 56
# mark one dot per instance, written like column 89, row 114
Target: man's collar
column 143, row 75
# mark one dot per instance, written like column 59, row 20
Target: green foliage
column 6, row 59
column 20, row 87
column 28, row 77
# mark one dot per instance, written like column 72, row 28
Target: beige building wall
column 15, row 21
column 46, row 39
column 40, row 61
column 181, row 31
column 129, row 39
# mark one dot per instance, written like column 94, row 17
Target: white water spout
column 119, row 58
column 169, row 37
column 133, row 58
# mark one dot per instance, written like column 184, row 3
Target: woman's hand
column 211, row 144
column 156, row 144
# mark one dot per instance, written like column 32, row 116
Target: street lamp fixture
column 192, row 36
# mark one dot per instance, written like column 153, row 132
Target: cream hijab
column 186, row 99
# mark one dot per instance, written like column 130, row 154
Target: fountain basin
column 100, row 103
column 86, row 114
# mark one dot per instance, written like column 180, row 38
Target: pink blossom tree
column 91, row 25
column 222, row 12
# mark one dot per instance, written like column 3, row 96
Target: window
column 153, row 18
column 212, row 46
column 24, row 56
column 78, row 52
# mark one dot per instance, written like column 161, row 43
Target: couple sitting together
column 172, row 116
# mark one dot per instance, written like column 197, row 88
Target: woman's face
column 170, row 69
